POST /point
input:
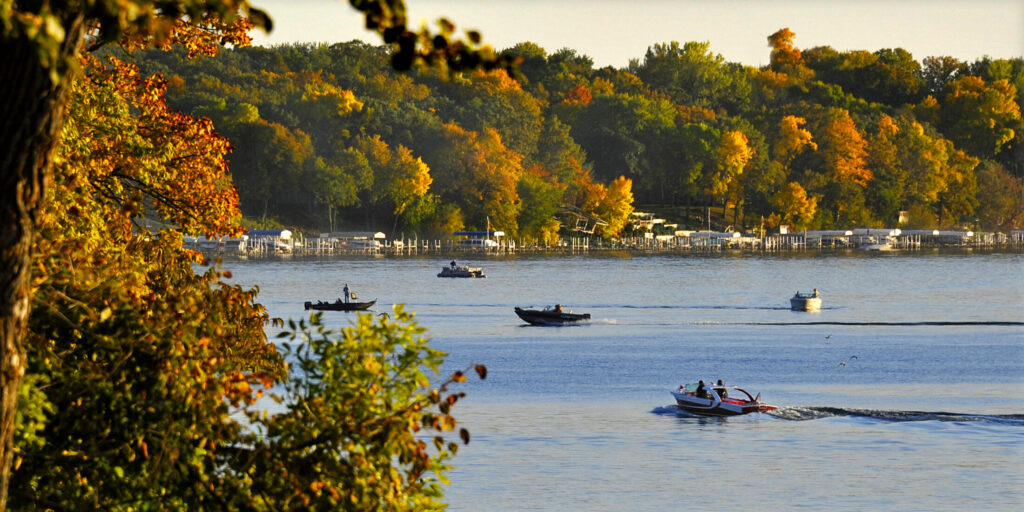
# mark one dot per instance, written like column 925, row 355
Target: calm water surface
column 905, row 393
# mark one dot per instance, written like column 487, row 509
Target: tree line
column 330, row 136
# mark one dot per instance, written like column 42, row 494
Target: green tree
column 691, row 75
column 373, row 378
column 1000, row 198
column 979, row 116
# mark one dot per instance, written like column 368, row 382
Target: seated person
column 721, row 389
column 702, row 390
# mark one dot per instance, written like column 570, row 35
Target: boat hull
column 550, row 317
column 809, row 304
column 340, row 306
column 463, row 272
column 715, row 406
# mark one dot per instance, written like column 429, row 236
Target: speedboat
column 550, row 316
column 810, row 302
column 339, row 305
column 720, row 401
column 461, row 271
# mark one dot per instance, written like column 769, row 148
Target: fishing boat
column 810, row 302
column 719, row 400
column 461, row 271
column 550, row 316
column 339, row 305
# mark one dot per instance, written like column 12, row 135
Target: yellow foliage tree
column 794, row 207
column 792, row 139
column 616, row 205
column 844, row 150
column 732, row 156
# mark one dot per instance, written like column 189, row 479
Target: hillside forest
column 329, row 137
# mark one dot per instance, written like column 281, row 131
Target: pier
column 681, row 241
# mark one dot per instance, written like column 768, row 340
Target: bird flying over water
column 827, row 336
column 841, row 363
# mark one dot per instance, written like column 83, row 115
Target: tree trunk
column 31, row 113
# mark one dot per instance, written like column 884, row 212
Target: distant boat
column 461, row 271
column 810, row 302
column 339, row 305
column 884, row 246
column 550, row 316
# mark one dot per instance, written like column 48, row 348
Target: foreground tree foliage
column 124, row 372
column 140, row 369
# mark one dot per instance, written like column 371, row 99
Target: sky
column 612, row 32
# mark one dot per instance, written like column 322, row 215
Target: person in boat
column 721, row 389
column 558, row 308
column 453, row 264
column 345, row 289
column 815, row 292
column 702, row 390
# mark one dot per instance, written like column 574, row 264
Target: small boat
column 720, row 401
column 879, row 247
column 550, row 316
column 810, row 302
column 340, row 305
column 461, row 271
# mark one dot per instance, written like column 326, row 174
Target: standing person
column 345, row 289
column 721, row 389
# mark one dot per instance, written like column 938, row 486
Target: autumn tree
column 786, row 58
column 793, row 207
column 41, row 43
column 732, row 155
column 792, row 139
column 616, row 205
column 477, row 172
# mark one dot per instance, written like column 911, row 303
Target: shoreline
column 608, row 251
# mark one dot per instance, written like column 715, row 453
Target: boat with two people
column 550, row 315
column 718, row 400
column 453, row 270
column 810, row 302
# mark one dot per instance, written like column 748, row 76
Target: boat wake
column 908, row 324
column 700, row 307
column 816, row 413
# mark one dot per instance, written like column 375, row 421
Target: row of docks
column 282, row 242
column 285, row 242
column 872, row 239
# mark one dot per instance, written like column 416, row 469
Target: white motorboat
column 810, row 302
column 719, row 400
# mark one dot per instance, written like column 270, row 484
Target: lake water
column 906, row 392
